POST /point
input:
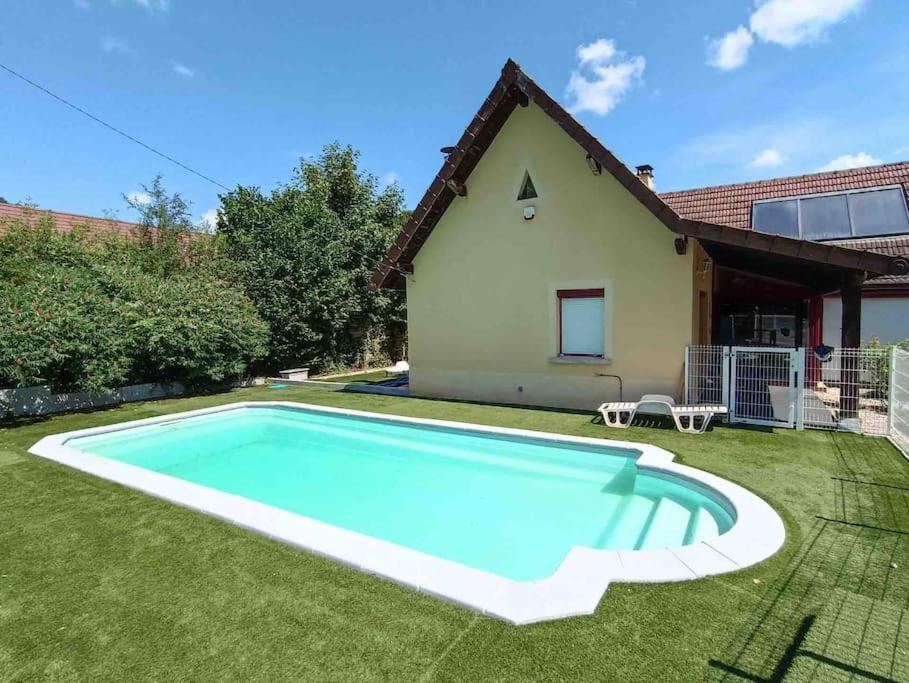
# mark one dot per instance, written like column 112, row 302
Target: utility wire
column 13, row 72
column 113, row 128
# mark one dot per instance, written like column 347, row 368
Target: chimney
column 645, row 175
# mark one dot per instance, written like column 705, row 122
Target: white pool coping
column 574, row 589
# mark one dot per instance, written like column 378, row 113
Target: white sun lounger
column 689, row 419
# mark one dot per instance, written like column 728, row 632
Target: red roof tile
column 891, row 246
column 63, row 222
column 731, row 204
column 66, row 222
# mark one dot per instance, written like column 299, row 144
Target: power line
column 151, row 149
column 110, row 127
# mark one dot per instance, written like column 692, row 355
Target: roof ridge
column 817, row 175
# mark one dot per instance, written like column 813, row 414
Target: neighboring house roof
column 514, row 88
column 63, row 222
column 897, row 246
column 731, row 204
column 67, row 222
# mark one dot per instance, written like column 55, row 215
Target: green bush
column 306, row 253
column 92, row 314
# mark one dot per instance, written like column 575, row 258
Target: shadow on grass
column 837, row 613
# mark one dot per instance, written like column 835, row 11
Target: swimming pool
column 523, row 525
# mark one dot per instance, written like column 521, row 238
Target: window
column 824, row 217
column 857, row 213
column 779, row 218
column 527, row 191
column 879, row 213
column 582, row 321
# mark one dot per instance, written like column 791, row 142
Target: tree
column 306, row 254
column 159, row 210
column 165, row 226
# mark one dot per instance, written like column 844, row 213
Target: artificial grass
column 100, row 582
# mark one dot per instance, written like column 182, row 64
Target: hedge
column 81, row 313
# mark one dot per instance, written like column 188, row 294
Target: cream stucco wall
column 482, row 308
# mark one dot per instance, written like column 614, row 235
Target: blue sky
column 709, row 92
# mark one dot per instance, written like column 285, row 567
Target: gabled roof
column 514, row 88
column 731, row 204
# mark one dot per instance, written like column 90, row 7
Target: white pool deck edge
column 574, row 589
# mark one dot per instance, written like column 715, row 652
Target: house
column 540, row 270
column 862, row 208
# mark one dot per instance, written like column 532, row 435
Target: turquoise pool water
column 513, row 506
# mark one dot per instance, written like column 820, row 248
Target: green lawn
column 100, row 582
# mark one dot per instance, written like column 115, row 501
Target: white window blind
column 582, row 324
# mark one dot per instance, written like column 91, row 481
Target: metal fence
column 840, row 389
column 706, row 375
column 899, row 400
column 848, row 390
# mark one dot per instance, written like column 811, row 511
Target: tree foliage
column 91, row 314
column 158, row 210
column 306, row 253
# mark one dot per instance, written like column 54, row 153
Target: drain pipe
column 621, row 391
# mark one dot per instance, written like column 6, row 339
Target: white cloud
column 596, row 52
column 851, row 161
column 389, row 178
column 113, row 45
column 768, row 158
column 739, row 148
column 794, row 22
column 183, row 70
column 153, row 5
column 209, row 220
column 731, row 51
column 782, row 22
column 602, row 78
column 137, row 197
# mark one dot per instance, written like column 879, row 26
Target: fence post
column 800, row 379
column 891, row 387
column 687, row 398
column 727, row 371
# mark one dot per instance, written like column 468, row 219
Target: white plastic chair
column 402, row 367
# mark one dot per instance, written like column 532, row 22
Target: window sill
column 580, row 360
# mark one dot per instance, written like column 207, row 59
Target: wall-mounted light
column 458, row 188
column 681, row 245
column 529, row 213
column 595, row 167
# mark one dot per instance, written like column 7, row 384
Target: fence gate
column 899, row 400
column 764, row 387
